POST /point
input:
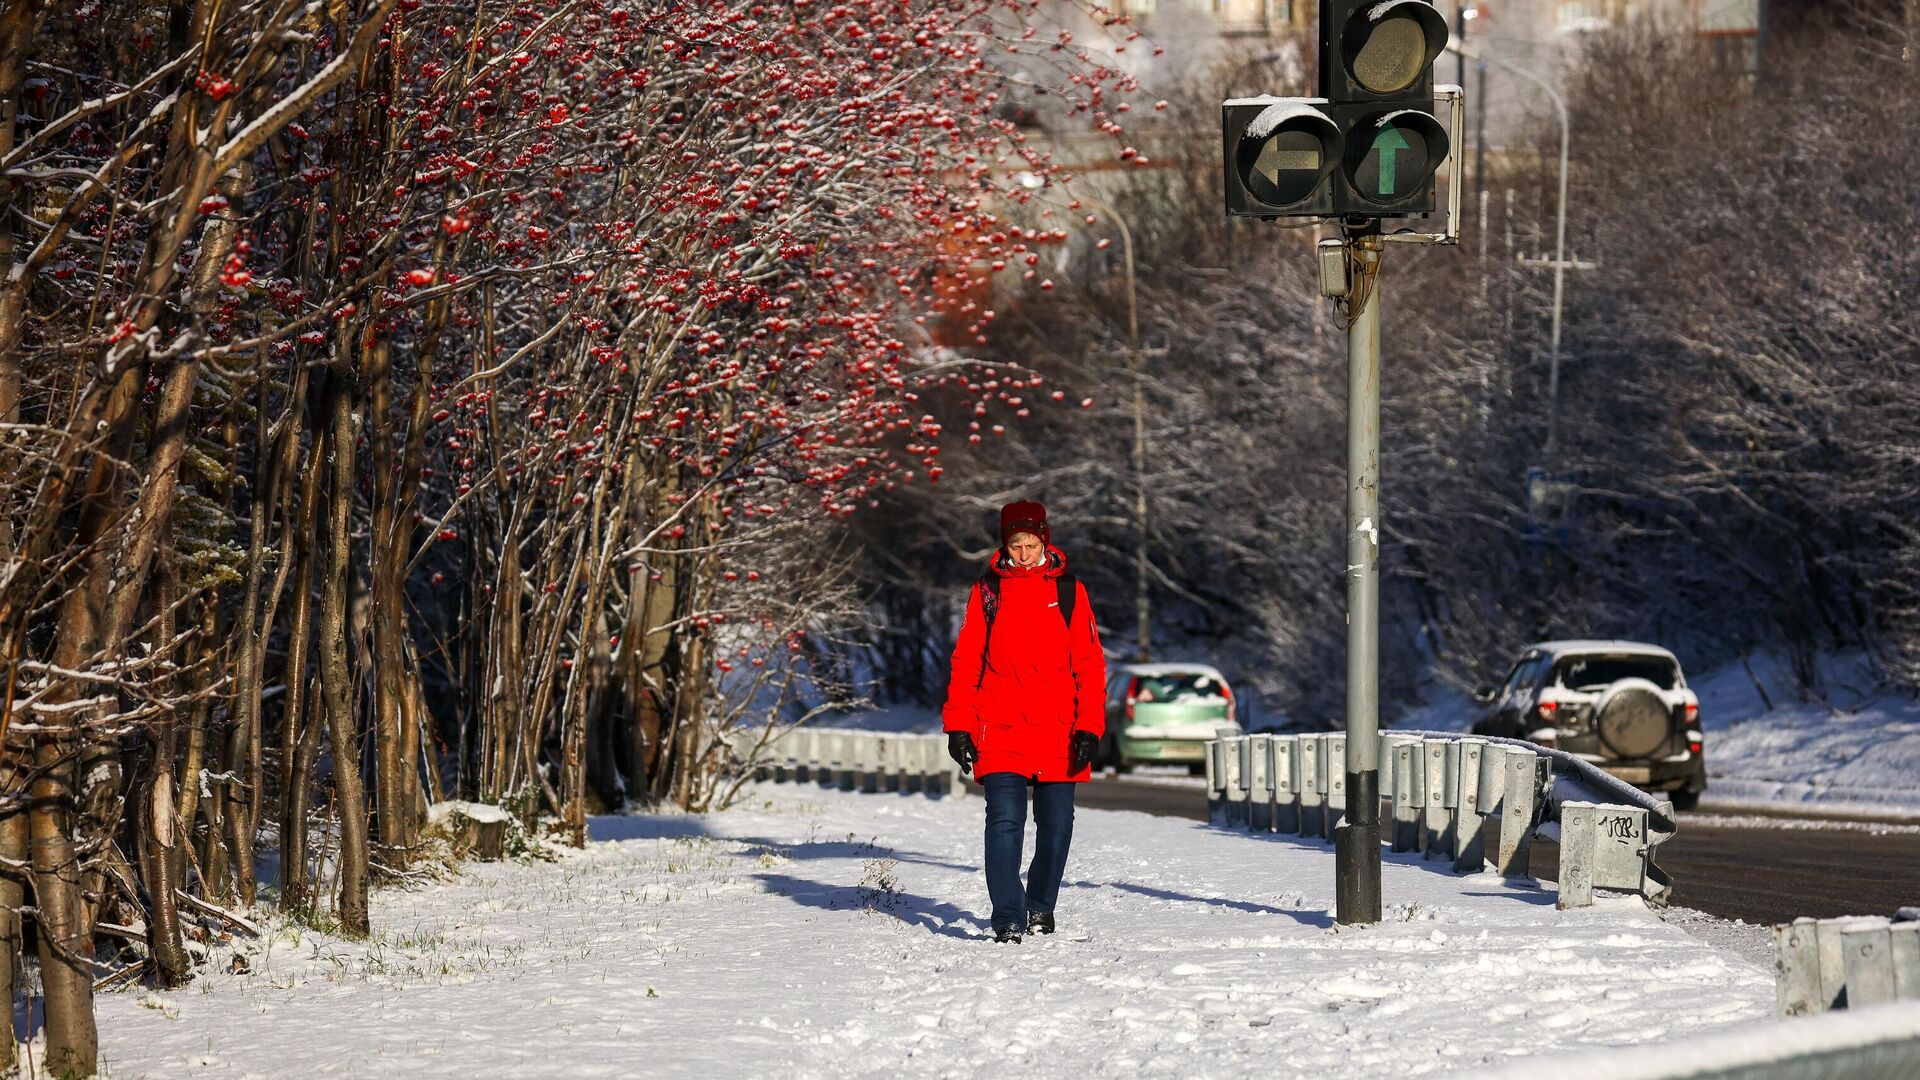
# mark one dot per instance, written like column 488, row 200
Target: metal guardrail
column 1477, row 801
column 849, row 759
column 1846, row 963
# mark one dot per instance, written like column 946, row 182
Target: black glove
column 960, row 747
column 1081, row 749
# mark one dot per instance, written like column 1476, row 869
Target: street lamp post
column 1559, row 231
column 1142, row 609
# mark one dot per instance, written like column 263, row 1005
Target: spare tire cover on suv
column 1632, row 719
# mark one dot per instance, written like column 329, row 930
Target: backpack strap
column 989, row 586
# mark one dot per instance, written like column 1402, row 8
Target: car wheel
column 1196, row 768
column 1685, row 799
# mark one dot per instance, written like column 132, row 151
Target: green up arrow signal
column 1387, row 144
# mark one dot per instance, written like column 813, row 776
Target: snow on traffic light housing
column 1280, row 156
column 1376, row 71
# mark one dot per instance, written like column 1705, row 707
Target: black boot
column 1038, row 923
column 1006, row 934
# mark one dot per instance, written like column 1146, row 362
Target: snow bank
column 484, row 813
column 820, row 934
column 1751, row 1045
column 1859, row 750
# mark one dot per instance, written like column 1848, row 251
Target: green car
column 1163, row 714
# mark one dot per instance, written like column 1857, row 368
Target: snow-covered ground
column 1768, row 747
column 810, row 933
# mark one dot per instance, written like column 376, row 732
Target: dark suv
column 1622, row 705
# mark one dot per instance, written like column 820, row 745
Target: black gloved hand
column 1081, row 749
column 961, row 749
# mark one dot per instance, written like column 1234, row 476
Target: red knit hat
column 1024, row 517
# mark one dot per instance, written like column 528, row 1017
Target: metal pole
column 1559, row 281
column 1460, row 33
column 1357, row 840
column 1480, row 132
column 1142, row 609
column 1559, row 235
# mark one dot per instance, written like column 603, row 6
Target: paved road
column 1758, row 873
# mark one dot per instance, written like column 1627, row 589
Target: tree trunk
column 66, row 940
column 159, row 856
column 13, row 896
column 299, row 733
column 336, row 680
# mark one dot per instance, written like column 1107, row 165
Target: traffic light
column 1280, row 156
column 1376, row 70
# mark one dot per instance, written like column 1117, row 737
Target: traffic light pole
column 1357, row 841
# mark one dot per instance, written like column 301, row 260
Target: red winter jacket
column 1042, row 679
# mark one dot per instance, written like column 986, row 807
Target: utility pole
column 1356, row 849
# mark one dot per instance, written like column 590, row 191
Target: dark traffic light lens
column 1284, row 168
column 1393, row 56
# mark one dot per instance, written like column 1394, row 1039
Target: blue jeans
column 1006, row 833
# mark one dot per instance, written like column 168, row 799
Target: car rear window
column 1579, row 672
column 1164, row 689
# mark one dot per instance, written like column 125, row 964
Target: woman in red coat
column 1024, row 711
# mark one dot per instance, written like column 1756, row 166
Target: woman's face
column 1026, row 549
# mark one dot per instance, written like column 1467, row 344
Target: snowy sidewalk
column 818, row 934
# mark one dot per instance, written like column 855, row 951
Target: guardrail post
column 1796, row 959
column 866, row 758
column 1286, row 783
column 1313, row 791
column 934, row 760
column 1260, row 810
column 1868, row 965
column 1408, row 795
column 806, row 751
column 1433, row 768
column 1518, row 803
column 1475, row 802
column 1904, row 945
column 1217, row 780
column 1237, row 761
column 1384, row 766
column 936, row 767
column 1445, row 845
column 886, row 763
column 1333, row 766
column 1579, row 831
column 826, row 757
column 781, row 763
column 847, row 776
column 927, row 761
column 1831, row 935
